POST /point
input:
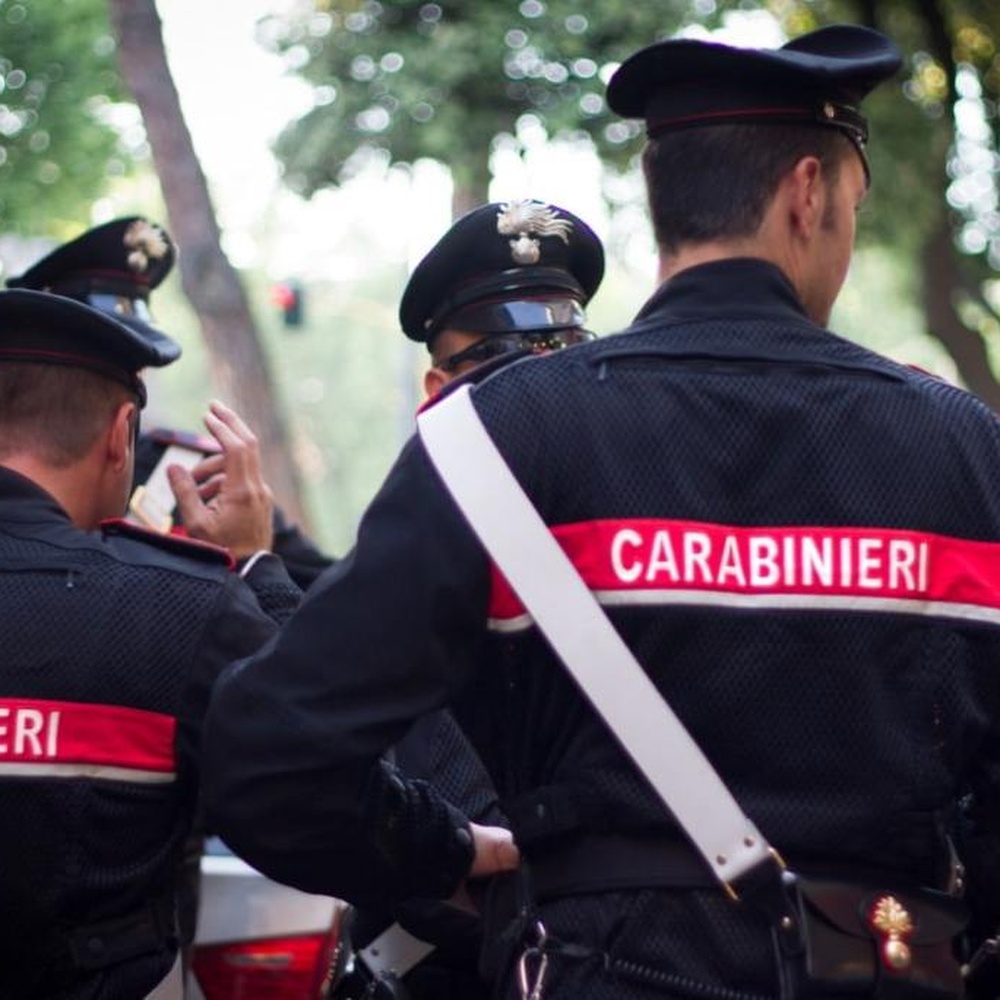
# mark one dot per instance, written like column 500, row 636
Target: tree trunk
column 471, row 186
column 940, row 257
column 942, row 285
column 238, row 365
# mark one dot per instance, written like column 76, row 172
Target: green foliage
column 913, row 149
column 58, row 86
column 407, row 79
column 880, row 308
column 404, row 79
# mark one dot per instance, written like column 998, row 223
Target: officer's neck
column 691, row 255
column 87, row 490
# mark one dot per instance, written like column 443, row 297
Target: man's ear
column 121, row 435
column 435, row 379
column 806, row 190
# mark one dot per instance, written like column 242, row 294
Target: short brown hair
column 715, row 182
column 53, row 411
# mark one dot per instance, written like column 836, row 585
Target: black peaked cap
column 43, row 328
column 818, row 78
column 499, row 252
column 112, row 267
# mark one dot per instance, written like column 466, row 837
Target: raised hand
column 224, row 499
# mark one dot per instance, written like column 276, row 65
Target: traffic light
column 287, row 296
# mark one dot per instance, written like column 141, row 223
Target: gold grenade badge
column 893, row 923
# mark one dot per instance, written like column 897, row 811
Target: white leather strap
column 583, row 637
column 395, row 951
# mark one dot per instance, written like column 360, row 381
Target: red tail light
column 286, row 968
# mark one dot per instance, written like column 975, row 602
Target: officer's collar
column 703, row 313
column 735, row 287
column 25, row 500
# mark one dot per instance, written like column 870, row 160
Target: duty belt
column 610, row 862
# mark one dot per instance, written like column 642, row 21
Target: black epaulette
column 181, row 545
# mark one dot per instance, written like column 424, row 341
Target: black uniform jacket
column 799, row 539
column 111, row 643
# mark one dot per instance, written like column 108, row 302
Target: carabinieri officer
column 852, row 710
column 113, row 637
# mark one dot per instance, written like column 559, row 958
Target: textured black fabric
column 112, row 621
column 849, row 734
column 436, row 751
column 302, row 558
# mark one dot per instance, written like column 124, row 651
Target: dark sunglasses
column 536, row 342
column 120, row 305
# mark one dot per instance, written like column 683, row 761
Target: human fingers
column 495, row 850
column 186, row 492
column 211, row 488
column 239, row 444
column 230, row 418
column 213, row 465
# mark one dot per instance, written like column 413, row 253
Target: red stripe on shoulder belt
column 179, row 544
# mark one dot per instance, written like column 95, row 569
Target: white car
column 258, row 939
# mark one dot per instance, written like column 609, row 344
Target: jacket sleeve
column 437, row 750
column 271, row 582
column 296, row 733
column 300, row 554
column 235, row 627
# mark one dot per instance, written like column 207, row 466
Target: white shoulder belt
column 583, row 638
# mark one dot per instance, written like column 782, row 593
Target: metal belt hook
column 988, row 950
column 532, row 965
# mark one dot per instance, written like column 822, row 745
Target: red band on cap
column 805, row 113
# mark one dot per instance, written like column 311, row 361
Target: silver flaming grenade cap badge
column 144, row 241
column 525, row 219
